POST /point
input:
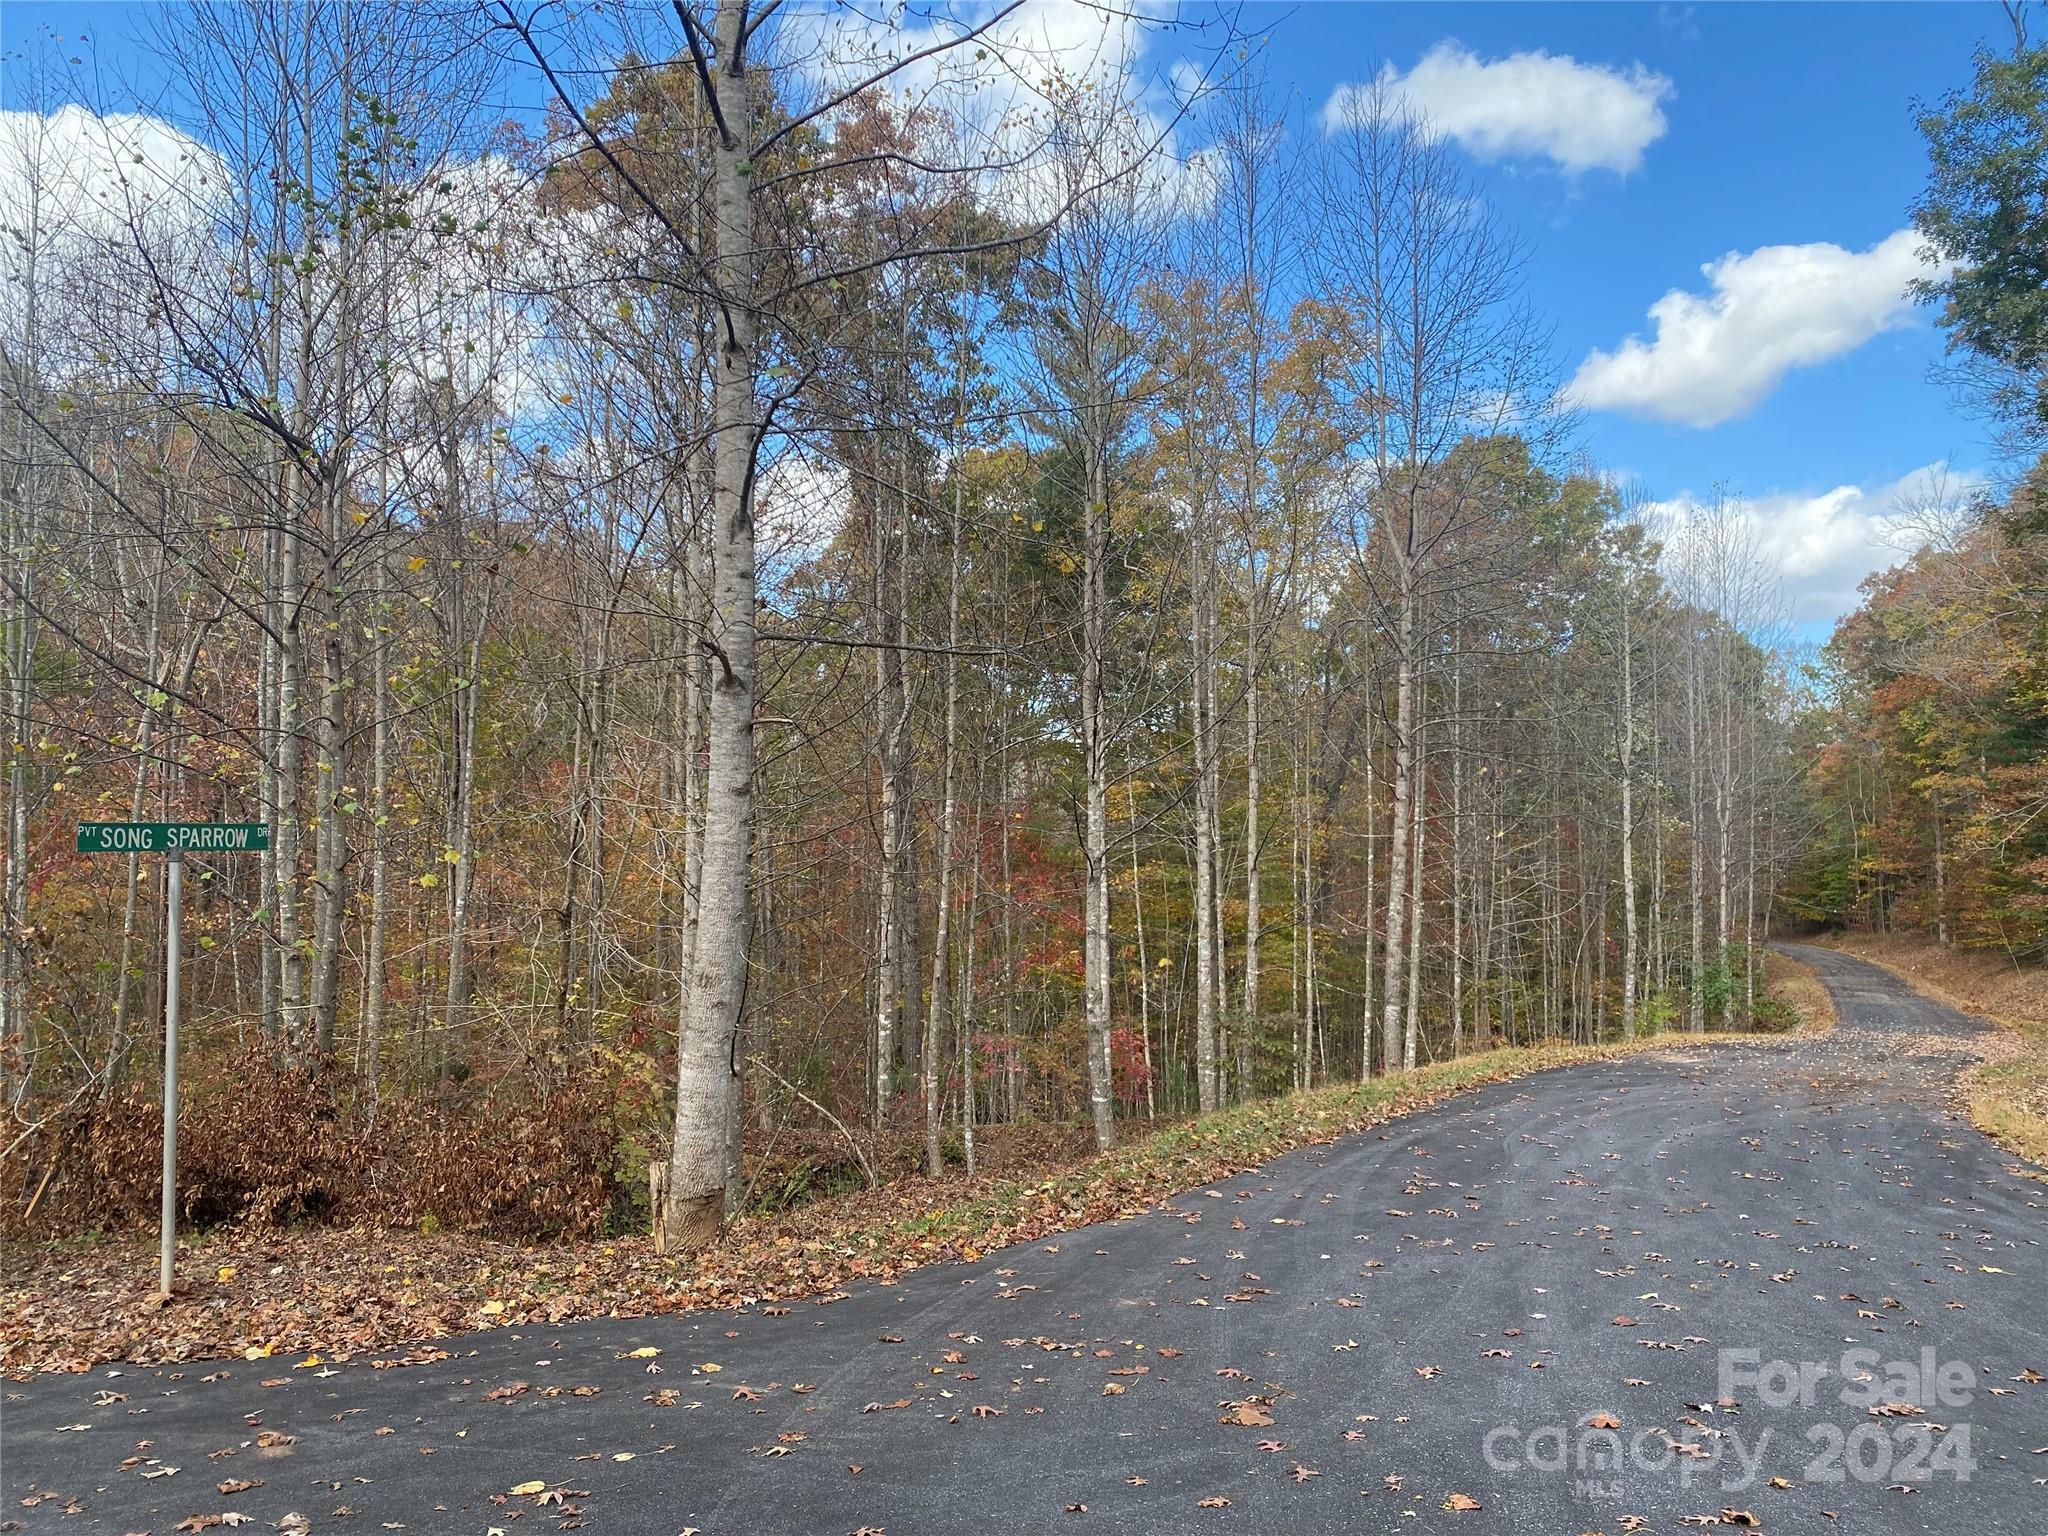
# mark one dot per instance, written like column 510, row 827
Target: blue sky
column 1739, row 128
column 1784, row 125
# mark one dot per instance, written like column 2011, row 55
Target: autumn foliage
column 269, row 1146
column 1930, row 763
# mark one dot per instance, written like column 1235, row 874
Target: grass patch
column 1795, row 991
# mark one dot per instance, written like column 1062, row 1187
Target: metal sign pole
column 172, row 838
column 173, row 944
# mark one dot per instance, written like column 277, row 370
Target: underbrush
column 261, row 1145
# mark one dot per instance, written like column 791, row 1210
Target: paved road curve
column 1429, row 1318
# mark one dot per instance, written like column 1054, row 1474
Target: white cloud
column 1716, row 356
column 1046, row 68
column 803, row 503
column 72, row 179
column 1820, row 545
column 1003, row 71
column 76, row 170
column 1584, row 117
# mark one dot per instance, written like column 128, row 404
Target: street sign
column 176, row 838
column 173, row 836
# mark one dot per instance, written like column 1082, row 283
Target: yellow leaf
column 256, row 1352
column 644, row 1352
column 710, row 1368
column 416, row 563
column 524, row 1490
column 227, row 1273
column 308, row 1363
column 492, row 1308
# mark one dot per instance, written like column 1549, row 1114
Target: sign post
column 172, row 838
column 174, row 944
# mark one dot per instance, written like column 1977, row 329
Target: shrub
column 260, row 1144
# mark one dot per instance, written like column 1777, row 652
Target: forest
column 825, row 602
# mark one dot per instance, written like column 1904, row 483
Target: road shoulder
column 2006, row 1089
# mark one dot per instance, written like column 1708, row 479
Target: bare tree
column 1449, row 353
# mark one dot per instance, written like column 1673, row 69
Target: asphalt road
column 1440, row 1314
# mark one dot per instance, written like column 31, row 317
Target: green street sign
column 172, row 837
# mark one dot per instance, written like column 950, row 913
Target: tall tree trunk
column 1094, row 736
column 1138, row 923
column 1412, row 1022
column 942, row 929
column 1371, row 819
column 1696, row 995
column 1630, row 941
column 291, row 973
column 20, row 540
column 1399, row 820
column 1207, row 1074
column 329, row 854
column 1252, row 922
column 1724, row 827
column 372, row 1039
column 1458, row 843
column 963, row 1030
column 460, row 856
column 1941, row 933
column 892, row 703
column 145, row 742
column 718, row 984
